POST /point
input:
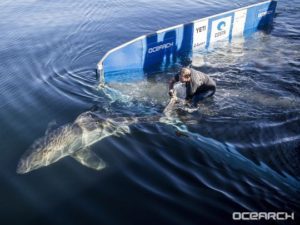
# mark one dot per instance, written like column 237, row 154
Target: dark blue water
column 242, row 151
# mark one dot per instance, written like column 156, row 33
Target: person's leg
column 202, row 95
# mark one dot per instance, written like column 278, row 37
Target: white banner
column 200, row 34
column 220, row 29
column 239, row 22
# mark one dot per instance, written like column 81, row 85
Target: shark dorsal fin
column 88, row 158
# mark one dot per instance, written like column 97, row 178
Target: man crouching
column 197, row 85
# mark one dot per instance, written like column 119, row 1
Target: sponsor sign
column 264, row 13
column 160, row 47
column 220, row 29
column 239, row 22
column 200, row 34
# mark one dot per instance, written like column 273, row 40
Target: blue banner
column 162, row 49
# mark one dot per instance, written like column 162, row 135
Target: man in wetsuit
column 198, row 85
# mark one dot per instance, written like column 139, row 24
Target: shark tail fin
column 88, row 158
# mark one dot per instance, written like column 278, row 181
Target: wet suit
column 199, row 87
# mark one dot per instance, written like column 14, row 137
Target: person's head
column 185, row 75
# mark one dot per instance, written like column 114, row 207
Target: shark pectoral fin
column 123, row 129
column 88, row 158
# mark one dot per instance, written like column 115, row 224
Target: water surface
column 242, row 151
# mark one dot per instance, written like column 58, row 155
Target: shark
column 74, row 140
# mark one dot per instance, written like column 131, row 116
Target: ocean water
column 240, row 151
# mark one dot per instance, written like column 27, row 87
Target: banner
column 144, row 55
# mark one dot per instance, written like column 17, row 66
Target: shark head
column 73, row 140
column 50, row 148
column 32, row 161
column 22, row 167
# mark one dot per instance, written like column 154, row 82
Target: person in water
column 196, row 85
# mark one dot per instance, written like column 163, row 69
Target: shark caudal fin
column 88, row 158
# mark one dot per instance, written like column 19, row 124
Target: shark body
column 75, row 139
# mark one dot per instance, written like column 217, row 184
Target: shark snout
column 22, row 167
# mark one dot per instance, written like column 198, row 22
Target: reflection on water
column 238, row 152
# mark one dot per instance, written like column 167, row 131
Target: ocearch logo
column 262, row 215
column 160, row 47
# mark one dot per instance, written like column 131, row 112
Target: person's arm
column 171, row 84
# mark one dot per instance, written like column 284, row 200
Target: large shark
column 74, row 140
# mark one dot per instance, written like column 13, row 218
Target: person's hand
column 171, row 93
